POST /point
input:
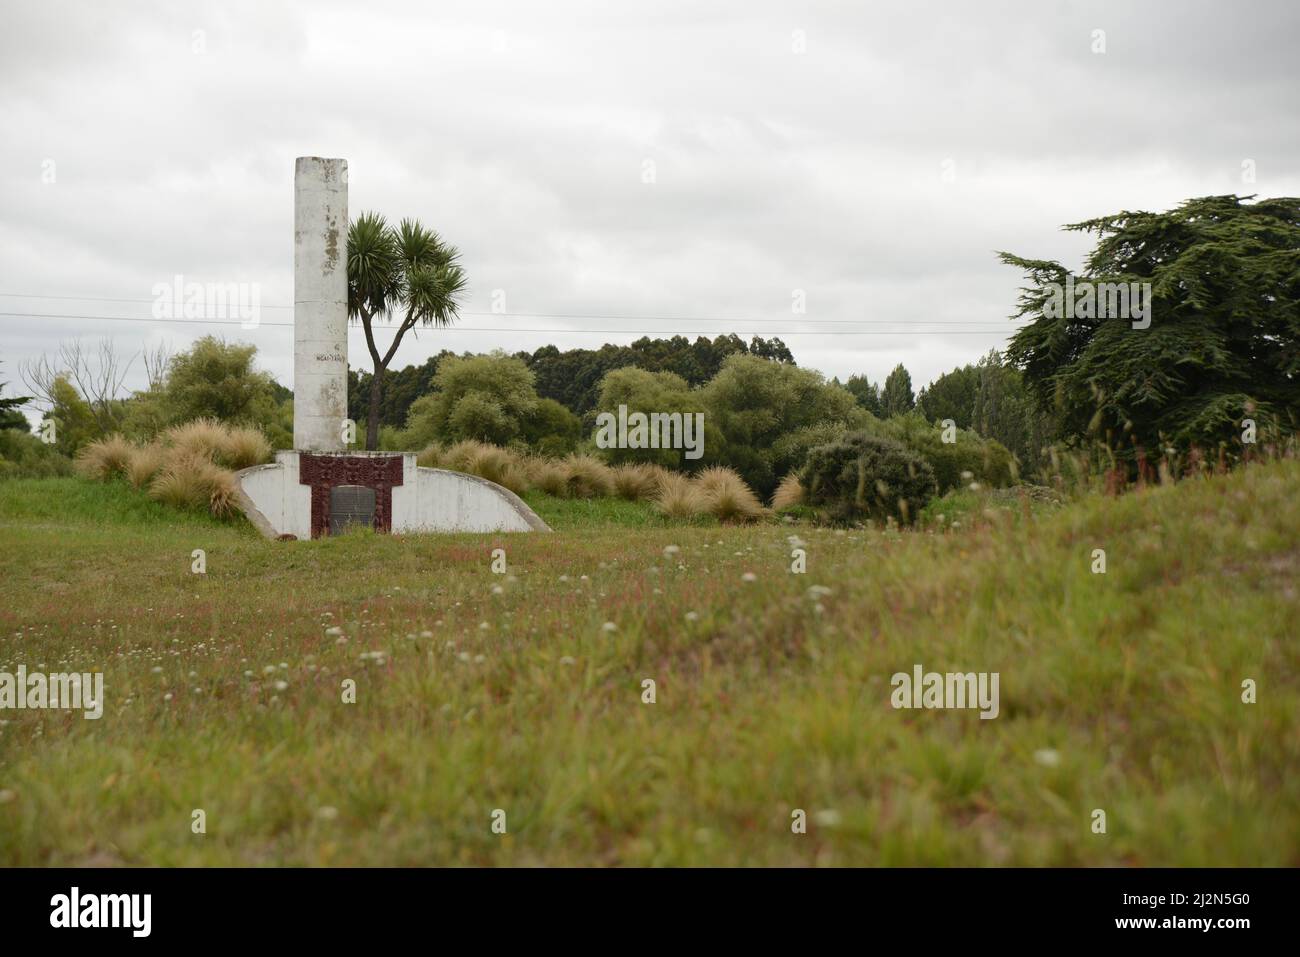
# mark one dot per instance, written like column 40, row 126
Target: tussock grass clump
column 789, row 494
column 244, row 447
column 205, row 438
column 459, row 457
column 193, row 481
column 430, row 457
column 678, row 497
column 499, row 465
column 145, row 462
column 637, row 482
column 104, row 458
column 725, row 495
column 587, row 477
column 549, row 476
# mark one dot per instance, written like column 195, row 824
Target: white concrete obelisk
column 320, row 303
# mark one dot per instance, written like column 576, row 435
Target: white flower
column 167, row 696
column 817, row 591
column 498, row 590
column 609, row 626
column 483, row 626
column 281, row 685
column 827, row 818
column 6, row 796
column 566, row 660
column 749, row 577
column 327, row 813
column 335, row 630
column 670, row 550
column 692, row 616
column 1048, row 757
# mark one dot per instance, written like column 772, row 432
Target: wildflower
column 1048, row 757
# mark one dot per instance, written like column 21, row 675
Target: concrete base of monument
column 313, row 494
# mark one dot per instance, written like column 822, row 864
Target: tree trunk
column 372, row 416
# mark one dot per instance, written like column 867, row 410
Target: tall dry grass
column 788, row 494
column 724, row 494
column 548, row 476
column 637, row 482
column 587, row 477
column 193, row 481
column 146, row 461
column 678, row 497
column 105, row 458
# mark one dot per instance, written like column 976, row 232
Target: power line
column 557, row 315
column 521, row 329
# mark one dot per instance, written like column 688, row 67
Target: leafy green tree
column 867, row 394
column 754, row 402
column 648, row 392
column 951, row 396
column 217, row 379
column 552, row 429
column 407, row 273
column 897, row 396
column 10, row 416
column 1220, row 343
column 74, row 420
column 1004, row 410
column 488, row 398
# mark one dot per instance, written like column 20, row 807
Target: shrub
column 104, row 458
column 866, row 476
column 23, row 455
column 678, row 497
column 587, row 477
column 725, row 495
column 985, row 459
column 788, row 494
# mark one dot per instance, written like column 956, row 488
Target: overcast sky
column 874, row 156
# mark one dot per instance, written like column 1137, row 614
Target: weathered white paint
column 273, row 493
column 320, row 303
column 428, row 500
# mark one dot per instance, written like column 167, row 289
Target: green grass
column 769, row 697
column 574, row 513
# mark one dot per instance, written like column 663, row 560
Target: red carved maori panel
column 323, row 472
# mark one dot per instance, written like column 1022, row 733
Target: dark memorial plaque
column 351, row 505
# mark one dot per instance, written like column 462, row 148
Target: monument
column 320, row 487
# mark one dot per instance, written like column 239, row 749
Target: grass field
column 523, row 692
